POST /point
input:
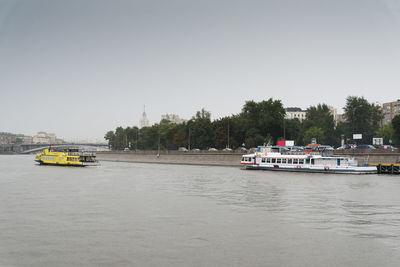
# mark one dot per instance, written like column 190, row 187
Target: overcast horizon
column 81, row 68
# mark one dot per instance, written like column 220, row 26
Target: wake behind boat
column 314, row 158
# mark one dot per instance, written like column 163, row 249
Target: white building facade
column 295, row 113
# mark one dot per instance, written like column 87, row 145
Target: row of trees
column 258, row 123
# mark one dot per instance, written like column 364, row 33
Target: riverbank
column 375, row 156
column 230, row 158
column 175, row 157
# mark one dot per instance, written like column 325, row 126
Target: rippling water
column 126, row 214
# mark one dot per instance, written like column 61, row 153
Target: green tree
column 110, row 137
column 132, row 134
column 386, row 132
column 320, row 117
column 263, row 119
column 313, row 132
column 179, row 138
column 396, row 128
column 292, row 129
column 149, row 137
column 201, row 130
column 362, row 117
column 223, row 129
column 121, row 140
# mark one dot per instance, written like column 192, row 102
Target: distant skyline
column 82, row 68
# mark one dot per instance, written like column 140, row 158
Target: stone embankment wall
column 218, row 158
column 372, row 156
column 231, row 158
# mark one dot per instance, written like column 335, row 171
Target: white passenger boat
column 306, row 159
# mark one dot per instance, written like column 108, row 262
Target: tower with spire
column 144, row 122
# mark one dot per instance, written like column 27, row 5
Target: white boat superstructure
column 306, row 159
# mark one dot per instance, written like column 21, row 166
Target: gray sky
column 81, row 68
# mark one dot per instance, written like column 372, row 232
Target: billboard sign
column 357, row 136
column 377, row 141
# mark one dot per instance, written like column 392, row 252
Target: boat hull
column 84, row 164
column 353, row 170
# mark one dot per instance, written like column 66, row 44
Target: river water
column 128, row 214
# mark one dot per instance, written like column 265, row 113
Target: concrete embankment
column 232, row 158
column 219, row 158
column 377, row 156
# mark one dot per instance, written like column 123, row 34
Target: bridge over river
column 34, row 148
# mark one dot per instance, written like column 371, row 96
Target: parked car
column 365, row 147
column 184, row 149
column 387, row 147
column 227, row 149
column 212, row 149
column 241, row 149
column 195, row 149
column 346, row 146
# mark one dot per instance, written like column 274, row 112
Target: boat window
column 243, row 159
column 263, row 160
column 289, row 161
column 283, row 160
column 268, row 160
column 295, row 161
column 307, row 161
column 301, row 161
column 273, row 160
column 278, row 160
column 312, row 162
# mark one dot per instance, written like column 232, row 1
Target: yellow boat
column 68, row 157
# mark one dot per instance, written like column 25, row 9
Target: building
column 10, row 138
column 7, row 138
column 46, row 138
column 144, row 122
column 336, row 117
column 390, row 110
column 172, row 118
column 294, row 112
column 25, row 139
column 340, row 118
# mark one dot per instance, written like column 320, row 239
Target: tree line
column 259, row 123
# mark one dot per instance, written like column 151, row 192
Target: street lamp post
column 228, row 133
column 137, row 138
column 189, row 141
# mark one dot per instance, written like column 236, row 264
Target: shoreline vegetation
column 259, row 123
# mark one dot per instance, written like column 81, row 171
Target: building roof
column 294, row 109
